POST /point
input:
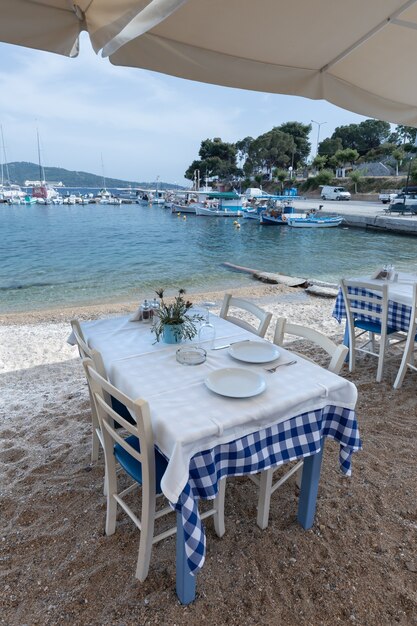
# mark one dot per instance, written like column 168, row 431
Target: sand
column 357, row 565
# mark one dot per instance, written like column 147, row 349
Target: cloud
column 145, row 124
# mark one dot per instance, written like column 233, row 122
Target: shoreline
column 254, row 289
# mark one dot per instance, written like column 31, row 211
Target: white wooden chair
column 262, row 316
column 337, row 354
column 85, row 352
column 410, row 346
column 357, row 306
column 133, row 448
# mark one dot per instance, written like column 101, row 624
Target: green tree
column 300, row 134
column 319, row 162
column 355, row 176
column 282, row 175
column 217, row 157
column 346, row 157
column 270, row 150
column 325, row 177
column 328, row 147
column 407, row 134
column 364, row 136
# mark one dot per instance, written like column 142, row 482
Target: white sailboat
column 9, row 193
column 41, row 191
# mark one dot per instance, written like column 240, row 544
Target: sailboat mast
column 102, row 171
column 6, row 163
column 41, row 172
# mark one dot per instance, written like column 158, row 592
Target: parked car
column 329, row 192
column 388, row 195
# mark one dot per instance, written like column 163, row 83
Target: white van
column 329, row 192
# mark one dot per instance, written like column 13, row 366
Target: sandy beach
column 357, row 565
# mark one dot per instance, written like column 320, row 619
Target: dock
column 361, row 214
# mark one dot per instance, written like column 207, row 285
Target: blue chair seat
column 372, row 327
column 134, row 468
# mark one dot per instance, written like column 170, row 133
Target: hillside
column 22, row 170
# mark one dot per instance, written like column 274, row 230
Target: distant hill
column 22, row 170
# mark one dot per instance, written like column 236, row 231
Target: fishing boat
column 277, row 214
column 314, row 221
column 229, row 204
column 213, row 212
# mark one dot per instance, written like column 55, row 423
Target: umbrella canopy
column 55, row 25
column 357, row 55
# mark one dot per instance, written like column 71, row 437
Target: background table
column 400, row 299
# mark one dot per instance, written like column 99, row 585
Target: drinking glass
column 207, row 331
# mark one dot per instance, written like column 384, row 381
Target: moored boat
column 219, row 212
column 314, row 221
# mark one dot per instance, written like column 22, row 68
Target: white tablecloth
column 186, row 416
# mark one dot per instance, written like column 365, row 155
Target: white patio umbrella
column 357, row 54
column 55, row 25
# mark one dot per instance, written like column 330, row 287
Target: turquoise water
column 53, row 256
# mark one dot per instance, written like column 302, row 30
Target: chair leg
column 381, row 356
column 352, row 353
column 111, row 489
column 408, row 357
column 146, row 535
column 219, row 506
column 264, row 498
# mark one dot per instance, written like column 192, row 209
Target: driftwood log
column 324, row 292
column 270, row 277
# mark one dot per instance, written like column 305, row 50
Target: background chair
column 367, row 310
column 410, row 346
column 262, row 316
column 337, row 354
column 138, row 457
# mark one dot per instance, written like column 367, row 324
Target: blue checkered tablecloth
column 289, row 440
column 398, row 314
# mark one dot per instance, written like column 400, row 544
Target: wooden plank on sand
column 269, row 277
column 324, row 292
column 280, row 279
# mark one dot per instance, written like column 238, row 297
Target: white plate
column 235, row 382
column 254, row 351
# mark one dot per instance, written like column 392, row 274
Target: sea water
column 56, row 256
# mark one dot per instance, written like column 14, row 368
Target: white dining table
column 189, row 420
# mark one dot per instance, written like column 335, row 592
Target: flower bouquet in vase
column 173, row 322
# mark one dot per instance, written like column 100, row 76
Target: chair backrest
column 336, row 352
column 367, row 301
column 108, row 418
column 84, row 349
column 262, row 316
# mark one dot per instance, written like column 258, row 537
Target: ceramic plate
column 254, row 351
column 234, row 382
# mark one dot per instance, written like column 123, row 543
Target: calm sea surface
column 53, row 256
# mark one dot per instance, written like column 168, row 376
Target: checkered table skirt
column 293, row 439
column 398, row 314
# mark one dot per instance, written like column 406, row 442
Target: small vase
column 172, row 333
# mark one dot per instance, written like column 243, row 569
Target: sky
column 129, row 123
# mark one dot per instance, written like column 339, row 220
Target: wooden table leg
column 309, row 488
column 186, row 583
